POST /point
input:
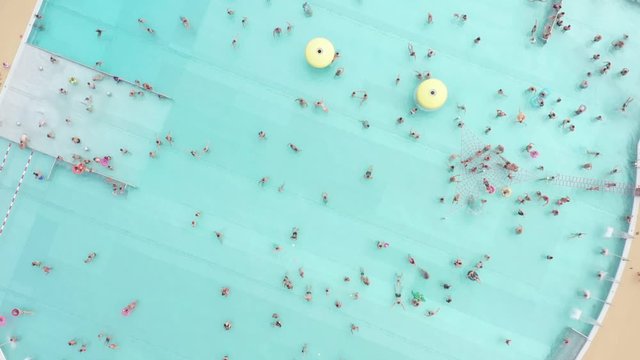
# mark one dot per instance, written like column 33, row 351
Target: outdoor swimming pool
column 147, row 249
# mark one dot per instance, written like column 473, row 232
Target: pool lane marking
column 15, row 194
column 6, row 154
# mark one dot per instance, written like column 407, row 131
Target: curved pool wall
column 522, row 297
column 621, row 265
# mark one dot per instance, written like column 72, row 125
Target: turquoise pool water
column 223, row 96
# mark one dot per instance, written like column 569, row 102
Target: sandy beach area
column 617, row 337
column 14, row 16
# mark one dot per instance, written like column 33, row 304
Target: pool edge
column 618, row 277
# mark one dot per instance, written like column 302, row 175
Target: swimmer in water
column 534, row 29
column 398, row 291
column 169, row 138
column 294, row 147
column 360, row 94
column 308, row 296
column 423, row 273
column 294, row 234
column 626, row 104
column 431, row 313
column 473, row 275
column 412, row 52
column 364, row 278
column 519, row 229
column 320, row 104
column 185, row 22
column 302, row 102
column 368, row 174
column 90, row 257
column 308, row 12
column 276, row 323
column 339, row 72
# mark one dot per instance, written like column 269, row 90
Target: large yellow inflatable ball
column 320, row 53
column 431, row 94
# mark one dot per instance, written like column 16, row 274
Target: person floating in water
column 398, row 291
column 473, row 276
column 185, row 22
column 38, row 175
column 90, row 258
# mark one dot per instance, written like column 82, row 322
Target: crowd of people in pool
column 476, row 164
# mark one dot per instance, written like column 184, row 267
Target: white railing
column 616, row 283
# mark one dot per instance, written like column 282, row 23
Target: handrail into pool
column 625, row 253
column 15, row 194
column 6, row 155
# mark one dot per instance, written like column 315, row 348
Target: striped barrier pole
column 6, row 154
column 15, row 194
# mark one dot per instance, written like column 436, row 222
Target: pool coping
column 621, row 265
column 24, row 42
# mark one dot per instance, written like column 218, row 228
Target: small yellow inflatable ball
column 431, row 94
column 320, row 53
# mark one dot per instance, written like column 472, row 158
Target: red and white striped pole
column 6, row 154
column 15, row 194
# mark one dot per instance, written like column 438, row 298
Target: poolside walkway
column 14, row 16
column 618, row 338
